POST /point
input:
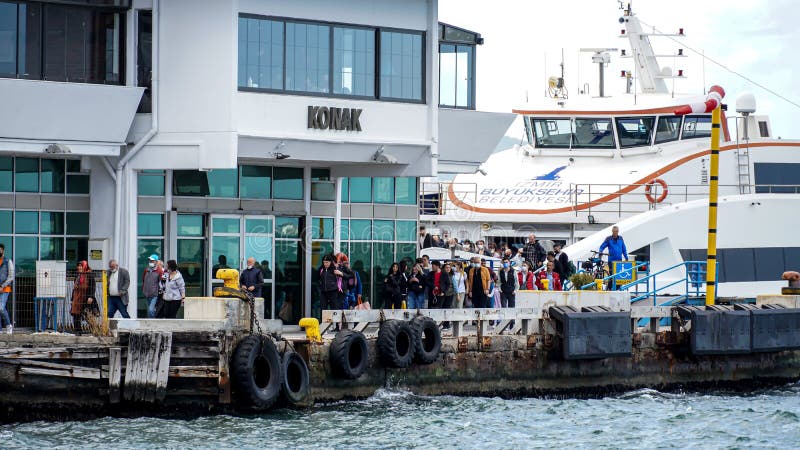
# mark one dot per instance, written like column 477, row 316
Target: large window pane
column 345, row 190
column 144, row 59
column 344, row 232
column 594, row 133
column 8, row 39
column 29, row 45
column 255, row 181
column 190, row 263
column 79, row 184
column 696, row 127
column 225, row 225
column 552, row 133
column 51, row 249
column 384, row 257
column 27, row 222
column 151, row 225
column 287, row 227
column 456, row 83
column 360, row 229
column 6, row 174
column 258, row 226
column 52, row 175
column 26, row 175
column 307, row 57
column 354, row 61
column 318, row 251
column 151, row 183
column 401, row 65
column 361, row 262
column 406, row 230
column 77, row 250
column 406, row 252
column 260, row 53
column 78, row 223
column 360, row 190
column 383, row 230
column 668, row 128
column 406, row 190
column 6, row 221
column 52, row 222
column 288, row 183
column 190, row 225
column 224, row 253
column 189, row 183
column 26, row 252
column 8, row 242
column 383, row 190
column 321, row 228
column 635, row 131
column 222, row 183
column 145, row 248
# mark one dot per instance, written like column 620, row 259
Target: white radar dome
column 746, row 103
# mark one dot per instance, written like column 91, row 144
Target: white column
column 307, row 242
column 337, row 218
column 128, row 238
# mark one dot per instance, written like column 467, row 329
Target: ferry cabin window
column 668, row 129
column 696, row 127
column 552, row 133
column 593, row 133
column 635, row 131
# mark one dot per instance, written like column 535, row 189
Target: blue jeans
column 4, row 319
column 115, row 304
column 151, row 307
column 416, row 301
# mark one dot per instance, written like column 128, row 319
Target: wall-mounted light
column 591, row 220
column 57, row 149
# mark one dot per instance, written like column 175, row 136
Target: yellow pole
column 713, row 194
column 105, row 301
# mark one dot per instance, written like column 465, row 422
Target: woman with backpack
column 354, row 287
column 394, row 285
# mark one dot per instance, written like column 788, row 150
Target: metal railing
column 615, row 276
column 434, row 197
column 693, row 280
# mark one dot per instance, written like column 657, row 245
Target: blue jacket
column 616, row 248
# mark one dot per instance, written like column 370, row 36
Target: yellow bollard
column 403, row 306
column 311, row 325
column 599, row 284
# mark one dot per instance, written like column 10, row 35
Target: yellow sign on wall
column 96, row 255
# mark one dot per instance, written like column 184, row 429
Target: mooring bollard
column 311, row 326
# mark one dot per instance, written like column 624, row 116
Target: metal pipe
column 109, row 169
column 713, row 194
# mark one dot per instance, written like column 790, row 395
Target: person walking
column 416, row 288
column 534, row 252
column 508, row 285
column 252, row 278
column 83, row 297
column 6, row 285
column 393, row 287
column 151, row 280
column 460, row 285
column 478, row 281
column 118, row 280
column 174, row 290
column 615, row 245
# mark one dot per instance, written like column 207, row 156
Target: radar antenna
column 556, row 88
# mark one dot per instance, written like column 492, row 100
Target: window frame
column 656, row 140
column 332, row 25
column 574, row 141
column 471, row 83
column 536, row 143
column 650, row 137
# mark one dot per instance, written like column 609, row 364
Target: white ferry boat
column 591, row 162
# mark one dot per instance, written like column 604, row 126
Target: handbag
column 362, row 306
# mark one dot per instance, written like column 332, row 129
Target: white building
column 273, row 129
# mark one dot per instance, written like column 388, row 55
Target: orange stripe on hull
column 451, row 194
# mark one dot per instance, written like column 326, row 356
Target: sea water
column 398, row 419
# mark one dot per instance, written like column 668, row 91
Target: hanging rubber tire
column 427, row 340
column 349, row 354
column 396, row 344
column 256, row 372
column 294, row 378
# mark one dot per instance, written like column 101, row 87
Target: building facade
column 211, row 131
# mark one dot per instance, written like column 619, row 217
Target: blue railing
column 621, row 275
column 693, row 281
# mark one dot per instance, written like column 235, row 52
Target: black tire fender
column 349, row 354
column 256, row 369
column 294, row 378
column 427, row 340
column 396, row 344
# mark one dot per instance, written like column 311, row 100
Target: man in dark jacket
column 534, row 252
column 252, row 278
column 425, row 240
column 117, row 283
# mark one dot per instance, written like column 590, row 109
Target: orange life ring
column 649, row 187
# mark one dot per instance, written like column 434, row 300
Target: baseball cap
column 153, row 257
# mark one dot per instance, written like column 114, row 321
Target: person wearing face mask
column 174, row 290
column 478, row 281
column 6, row 281
column 252, row 278
column 151, row 284
column 117, row 283
column 526, row 281
column 508, row 285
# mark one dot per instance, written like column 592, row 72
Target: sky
column 758, row 39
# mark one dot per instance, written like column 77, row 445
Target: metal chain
column 253, row 318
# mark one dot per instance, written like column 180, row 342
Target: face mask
column 524, row 268
column 250, row 267
column 152, row 264
column 476, row 264
column 480, row 246
column 505, row 265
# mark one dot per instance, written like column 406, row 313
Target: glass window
column 260, row 53
column 345, row 190
column 307, row 57
column 405, row 190
column 8, row 39
column 226, row 225
column 456, row 82
column 27, row 222
column 321, row 228
column 151, row 183
column 383, row 190
column 360, row 230
column 73, row 165
column 354, row 61
column 635, row 131
column 52, row 177
column 189, row 183
column 668, row 128
column 361, row 190
column 383, row 230
column 406, row 230
column 8, row 242
column 145, row 248
column 26, row 173
column 255, row 181
column 52, row 222
column 406, row 252
column 696, row 127
column 144, row 59
column 79, row 184
column 82, row 44
column 287, row 227
column 288, row 183
column 77, row 250
column 593, row 133
column 258, row 226
column 6, row 174
column 78, row 223
column 552, row 133
column 190, row 225
column 401, row 65
column 384, row 257
column 51, row 248
column 344, row 232
column 361, row 261
column 222, row 183
column 26, row 252
column 150, row 225
column 6, row 221
column 322, row 188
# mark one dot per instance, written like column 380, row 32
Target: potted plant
column 582, row 279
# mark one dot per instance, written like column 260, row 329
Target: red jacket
column 528, row 283
column 543, row 276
